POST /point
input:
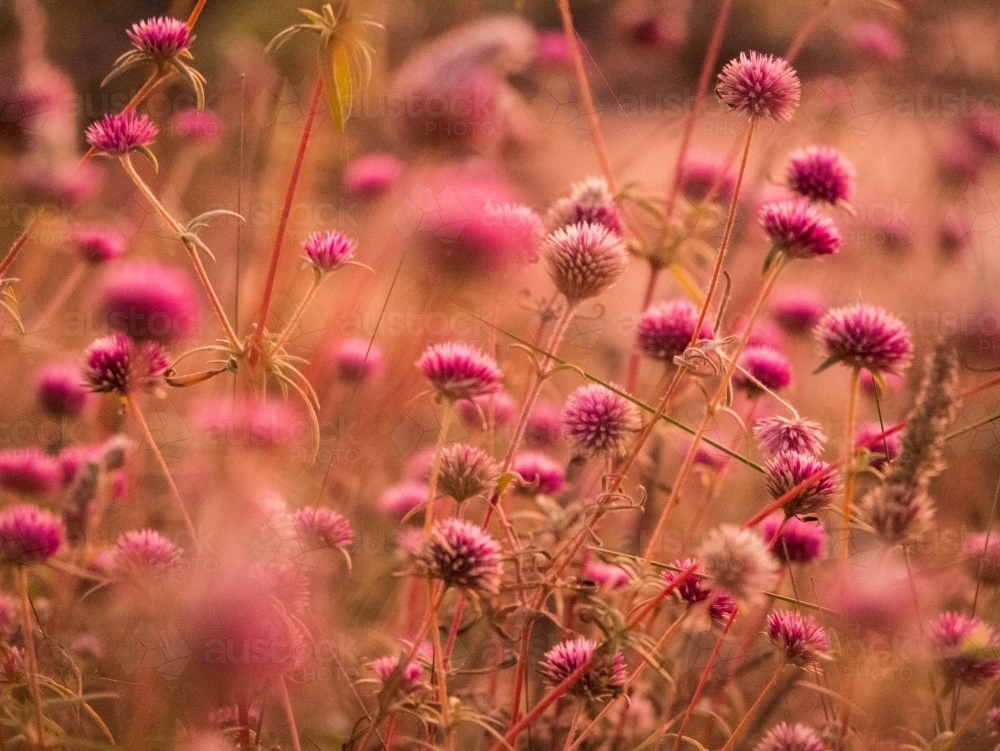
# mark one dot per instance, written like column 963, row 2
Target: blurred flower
column 739, row 562
column 798, row 229
column 865, row 336
column 59, row 389
column 522, row 227
column 149, row 301
column 787, row 469
column 799, row 636
column 401, row 499
column 117, row 364
column 249, row 422
column 867, row 433
column 98, row 244
column 458, row 370
column 966, row 648
column 328, row 250
column 797, row 309
column 777, row 434
column 877, row 40
column 475, row 412
column 599, row 421
column 410, row 675
column 544, row 427
column 372, row 175
column 466, row 472
column 822, row 174
column 765, row 365
column 798, row 541
column 357, row 360
column 666, row 329
column 552, row 48
column 760, row 86
column 204, row 126
column 705, row 172
column 605, row 677
column 323, row 528
column 29, row 535
column 605, row 575
column 122, row 133
column 539, row 473
column 589, row 202
column 143, row 551
column 29, row 472
column 981, row 553
column 462, row 555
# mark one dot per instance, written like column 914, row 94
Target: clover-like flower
column 760, row 86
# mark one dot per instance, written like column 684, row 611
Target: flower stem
column 441, row 677
column 69, row 285
column 436, row 467
column 32, row 656
column 299, row 312
column 806, row 29
column 849, row 449
column 753, row 708
column 286, row 702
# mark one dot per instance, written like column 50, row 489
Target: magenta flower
column 584, row 260
column 357, row 360
column 544, row 426
column 865, row 336
column 523, row 227
column 372, row 175
column 666, row 329
column 401, row 499
column 323, row 528
column 694, row 588
column 474, row 413
column 249, row 422
column 589, row 202
column 777, row 434
column 599, row 421
column 466, row 471
column 789, row 737
column 539, row 473
column 160, row 37
column 458, row 370
column 799, row 636
column 462, row 555
column 410, row 676
column 119, row 134
column 981, row 553
column 789, row 468
column 29, row 535
column 766, row 367
column 760, row 86
column 821, row 174
column 878, row 41
column 799, row 230
column 797, row 309
column 798, row 541
column 97, row 244
column 149, row 301
column 143, row 551
column 721, row 608
column 59, row 390
column 605, row 677
column 328, row 250
column 605, row 575
column 704, row 173
column 204, row 126
column 117, row 364
column 29, row 472
column 869, row 434
column 966, row 648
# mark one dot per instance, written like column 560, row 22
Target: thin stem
column 977, row 711
column 572, row 728
column 69, row 285
column 27, row 627
column 195, row 13
column 436, row 467
column 807, row 28
column 441, row 677
column 849, row 449
column 286, row 210
column 456, row 622
column 299, row 311
column 753, row 708
column 286, row 702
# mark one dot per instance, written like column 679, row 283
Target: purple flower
column 322, row 527
column 29, row 472
column 143, row 551
column 797, row 309
column 777, row 434
column 865, row 336
column 704, row 173
column 694, row 588
column 822, row 174
column 798, row 541
column 462, row 555
column 203, row 126
column 544, row 426
column 798, row 229
column 605, row 575
column 765, row 365
column 721, row 608
column 119, row 134
column 475, row 413
column 584, row 260
column 867, row 435
column 117, row 364
column 760, row 86
column 605, row 677
column 409, row 676
column 458, row 370
column 799, row 636
column 59, row 390
column 402, row 498
column 599, row 421
column 160, row 37
column 357, row 360
column 466, row 472
column 966, row 648
column 539, row 473
column 788, row 737
column 149, row 302
column 372, row 175
column 787, row 469
column 328, row 250
column 666, row 329
column 589, row 202
column 29, row 535
column 97, row 244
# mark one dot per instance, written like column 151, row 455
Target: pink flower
column 760, row 86
column 328, row 250
column 704, row 173
column 694, row 588
column 462, row 555
column 160, row 37
column 522, row 226
column 357, row 360
column 539, row 473
column 149, row 302
column 144, row 551
column 59, row 389
column 120, row 134
column 29, row 472
column 799, row 230
column 29, row 535
column 666, row 329
column 599, row 421
column 605, row 575
column 739, row 561
column 589, row 202
column 98, row 244
column 117, row 364
column 544, row 426
column 605, row 677
column 401, row 499
column 410, row 676
column 250, row 422
column 799, row 636
column 584, row 260
column 877, row 40
column 552, row 48
column 204, row 126
column 787, row 469
column 822, row 174
column 776, row 434
column 372, row 175
column 458, row 370
column 474, row 412
column 466, row 471
column 798, row 541
column 981, row 553
column 966, row 648
column 865, row 336
column 765, row 365
column 868, row 435
column 797, row 309
column 787, row 737
column 323, row 527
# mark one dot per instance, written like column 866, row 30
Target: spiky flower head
column 605, row 575
column 739, row 562
column 799, row 636
column 98, row 244
column 410, row 676
column 966, row 648
column 798, row 541
column 466, row 471
column 59, row 391
column 721, row 608
column 119, row 134
column 144, row 551
column 666, row 329
column 791, row 737
column 777, row 434
column 760, row 86
column 865, row 336
column 117, row 364
column 538, row 473
column 29, row 535
column 605, row 677
column 693, row 588
column 161, row 38
column 462, row 555
column 590, row 202
column 599, row 421
column 29, row 471
column 458, row 370
column 799, row 230
column 328, row 250
column 584, row 259
column 321, row 527
column 821, row 174
column 762, row 366
column 149, row 301
column 787, row 469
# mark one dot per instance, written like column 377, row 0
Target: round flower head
column 249, row 422
column 787, row 469
column 766, row 367
column 776, row 434
column 822, row 174
column 544, row 426
column 760, row 86
column 666, row 329
column 605, row 575
column 693, row 588
column 797, row 309
column 605, row 677
column 865, row 336
column 328, row 250
column 981, row 553
column 704, row 173
column 401, row 499
column 870, row 435
column 739, row 561
column 458, row 370
column 539, row 473
column 466, row 471
column 29, row 535
column 798, row 229
column 410, row 676
column 97, row 244
column 372, row 175
column 357, row 360
column 144, row 551
column 59, row 391
column 599, row 421
column 149, row 301
column 475, row 413
column 160, row 38
column 121, row 133
column 799, row 636
column 29, row 472
column 966, row 648
column 590, row 202
column 522, row 225
column 117, row 364
column 323, row 528
column 798, row 541
column 788, row 737
column 584, row 260
column 462, row 555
